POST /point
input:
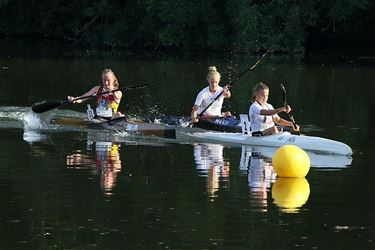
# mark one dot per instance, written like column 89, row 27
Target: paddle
column 283, row 93
column 229, row 85
column 47, row 105
column 232, row 82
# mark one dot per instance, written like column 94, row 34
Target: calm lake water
column 70, row 188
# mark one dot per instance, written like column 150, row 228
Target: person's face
column 108, row 80
column 213, row 81
column 262, row 96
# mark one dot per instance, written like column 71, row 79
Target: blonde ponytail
column 212, row 71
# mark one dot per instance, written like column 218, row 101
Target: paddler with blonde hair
column 207, row 95
column 107, row 105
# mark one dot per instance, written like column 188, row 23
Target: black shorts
column 257, row 133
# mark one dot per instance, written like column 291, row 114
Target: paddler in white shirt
column 107, row 104
column 207, row 95
column 263, row 116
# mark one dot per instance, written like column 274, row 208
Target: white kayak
column 308, row 143
column 317, row 159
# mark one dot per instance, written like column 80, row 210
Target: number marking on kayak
column 221, row 121
column 291, row 139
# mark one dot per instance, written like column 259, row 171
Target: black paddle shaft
column 232, row 82
column 283, row 92
column 47, row 105
column 108, row 92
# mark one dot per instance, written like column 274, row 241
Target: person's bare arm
column 92, row 91
column 194, row 117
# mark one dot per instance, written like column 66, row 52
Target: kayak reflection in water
column 207, row 95
column 260, row 176
column 107, row 163
column 211, row 165
column 107, row 104
column 262, row 114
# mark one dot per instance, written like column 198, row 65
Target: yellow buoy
column 290, row 193
column 291, row 161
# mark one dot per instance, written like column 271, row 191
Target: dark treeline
column 243, row 25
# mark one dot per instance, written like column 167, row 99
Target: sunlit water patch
column 12, row 117
column 24, row 117
column 36, row 127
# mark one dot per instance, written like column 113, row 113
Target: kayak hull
column 121, row 124
column 222, row 124
column 309, row 143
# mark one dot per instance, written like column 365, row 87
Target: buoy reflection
column 290, row 193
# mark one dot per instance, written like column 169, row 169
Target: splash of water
column 32, row 136
column 121, row 134
column 34, row 121
column 32, row 124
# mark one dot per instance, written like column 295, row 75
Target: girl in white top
column 208, row 94
column 262, row 114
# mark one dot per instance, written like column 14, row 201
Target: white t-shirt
column 260, row 122
column 205, row 97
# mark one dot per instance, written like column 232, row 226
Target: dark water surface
column 70, row 188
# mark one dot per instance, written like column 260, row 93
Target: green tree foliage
column 242, row 25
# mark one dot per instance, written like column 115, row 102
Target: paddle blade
column 44, row 106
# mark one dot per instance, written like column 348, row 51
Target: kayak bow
column 308, row 143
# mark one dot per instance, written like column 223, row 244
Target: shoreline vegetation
column 241, row 26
